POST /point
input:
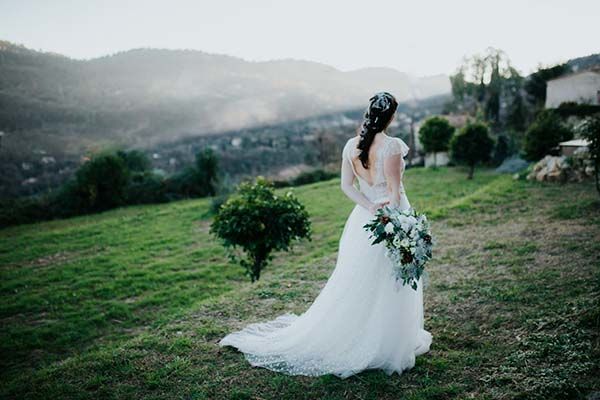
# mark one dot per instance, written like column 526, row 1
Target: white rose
column 389, row 227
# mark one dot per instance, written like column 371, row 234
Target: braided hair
column 382, row 107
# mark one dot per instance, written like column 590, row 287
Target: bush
column 471, row 145
column 216, row 203
column 505, row 147
column 135, row 160
column 590, row 130
column 570, row 108
column 435, row 135
column 259, row 222
column 101, row 183
column 146, row 188
column 197, row 181
column 207, row 169
column 316, row 175
column 544, row 134
column 304, row 178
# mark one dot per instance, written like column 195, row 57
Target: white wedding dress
column 361, row 319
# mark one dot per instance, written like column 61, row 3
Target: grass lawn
column 131, row 303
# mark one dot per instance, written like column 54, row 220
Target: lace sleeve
column 347, row 151
column 396, row 146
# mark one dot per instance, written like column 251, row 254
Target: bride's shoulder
column 395, row 145
column 350, row 146
column 352, row 140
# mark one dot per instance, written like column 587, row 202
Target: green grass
column 131, row 303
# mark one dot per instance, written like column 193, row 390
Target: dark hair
column 382, row 107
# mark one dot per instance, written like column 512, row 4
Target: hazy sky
column 422, row 37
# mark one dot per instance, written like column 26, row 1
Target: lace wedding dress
column 361, row 319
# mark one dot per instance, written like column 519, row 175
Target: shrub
column 316, row 175
column 505, row 147
column 571, row 108
column 471, row 145
column 258, row 222
column 145, row 188
column 207, row 169
column 101, row 183
column 544, row 134
column 197, row 181
column 435, row 135
column 304, row 178
column 590, row 130
column 135, row 160
column 217, row 202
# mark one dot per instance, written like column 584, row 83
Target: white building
column 580, row 87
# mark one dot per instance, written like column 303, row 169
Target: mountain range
column 153, row 95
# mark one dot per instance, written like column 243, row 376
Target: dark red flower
column 407, row 258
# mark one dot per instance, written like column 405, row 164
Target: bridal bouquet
column 407, row 239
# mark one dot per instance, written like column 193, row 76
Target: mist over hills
column 149, row 95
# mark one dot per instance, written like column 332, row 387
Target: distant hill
column 582, row 63
column 151, row 95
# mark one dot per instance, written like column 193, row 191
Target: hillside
column 170, row 103
column 131, row 303
column 149, row 95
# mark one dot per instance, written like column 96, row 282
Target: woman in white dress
column 361, row 319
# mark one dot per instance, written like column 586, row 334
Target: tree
column 207, row 170
column 435, row 135
column 135, row 160
column 258, row 222
column 488, row 85
column 544, row 134
column 536, row 83
column 101, row 183
column 590, row 130
column 471, row 145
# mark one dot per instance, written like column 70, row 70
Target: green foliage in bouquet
column 258, row 221
column 408, row 241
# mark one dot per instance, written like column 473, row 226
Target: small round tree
column 544, row 134
column 435, row 135
column 471, row 145
column 258, row 222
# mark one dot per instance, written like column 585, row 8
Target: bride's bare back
column 369, row 175
column 383, row 178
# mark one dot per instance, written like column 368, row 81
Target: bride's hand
column 376, row 206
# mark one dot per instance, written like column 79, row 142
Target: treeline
column 118, row 178
column 506, row 115
column 113, row 179
column 489, row 89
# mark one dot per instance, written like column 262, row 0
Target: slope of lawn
column 130, row 303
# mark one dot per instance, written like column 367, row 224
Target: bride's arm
column 347, row 186
column 393, row 166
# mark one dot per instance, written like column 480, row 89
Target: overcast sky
column 422, row 37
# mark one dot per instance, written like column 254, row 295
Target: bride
column 361, row 319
